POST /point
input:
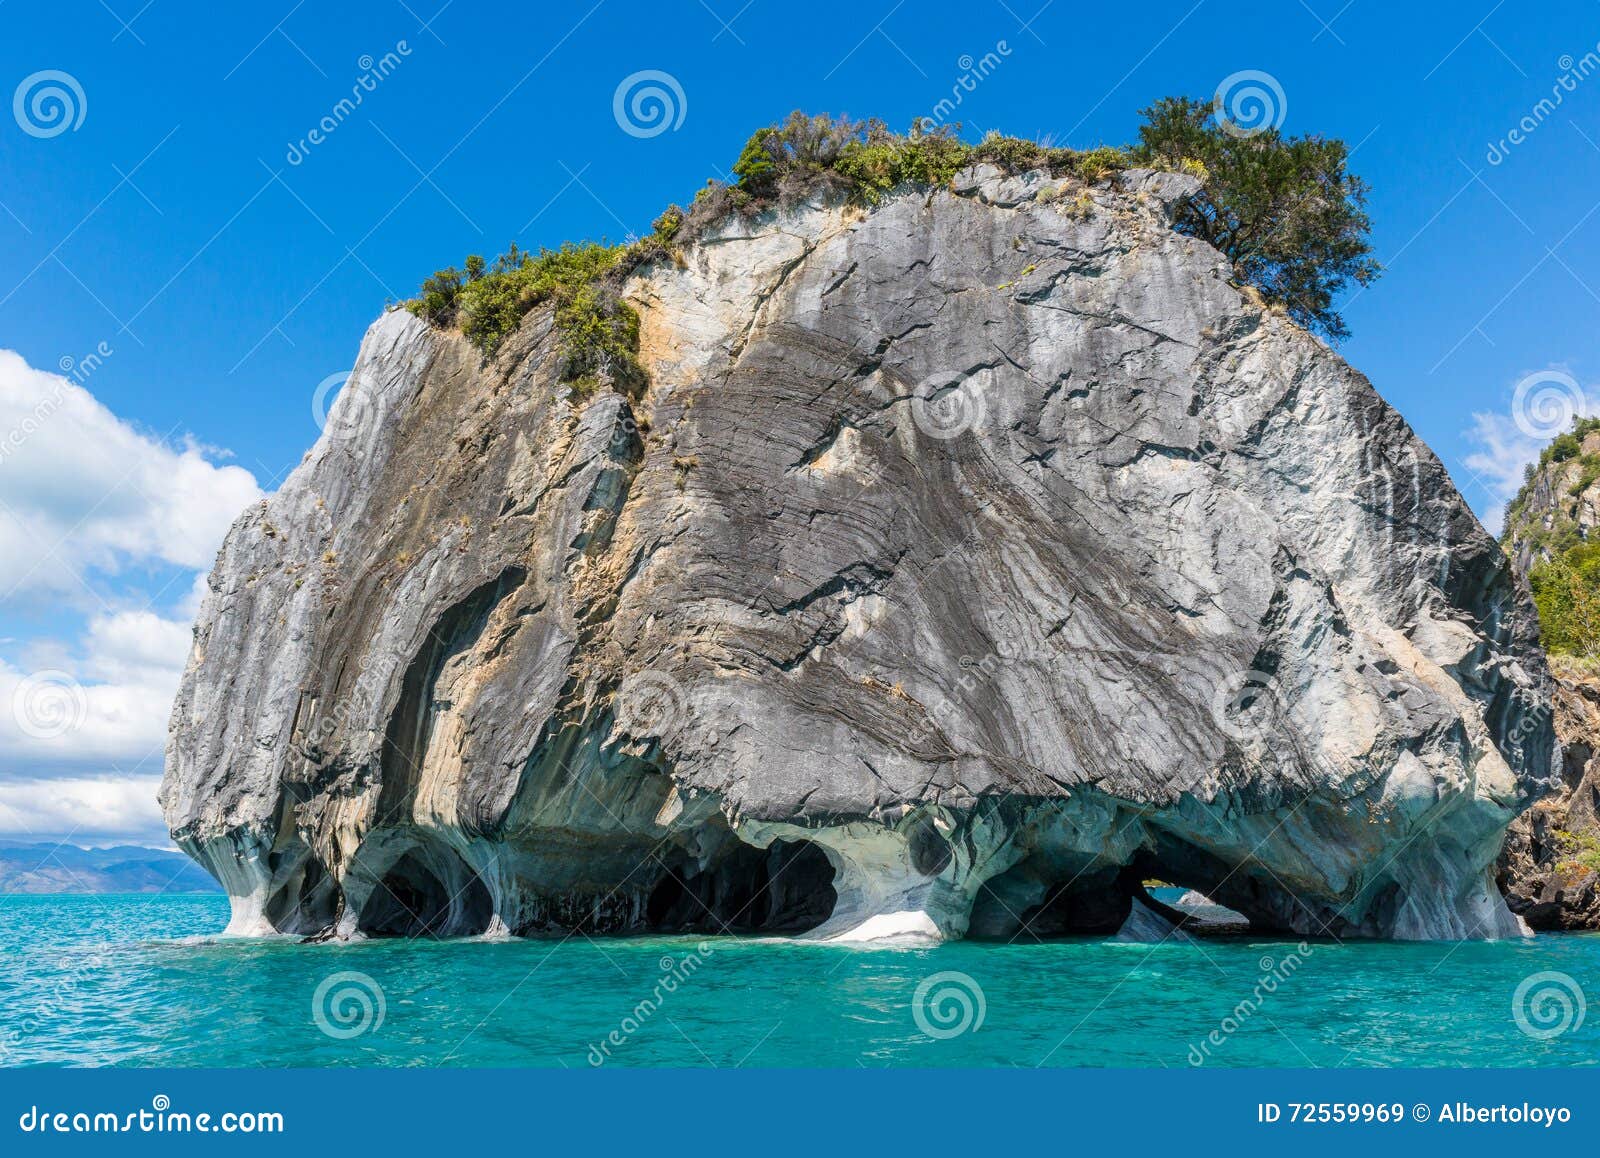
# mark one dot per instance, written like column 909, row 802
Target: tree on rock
column 1287, row 212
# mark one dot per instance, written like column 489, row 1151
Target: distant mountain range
column 65, row 868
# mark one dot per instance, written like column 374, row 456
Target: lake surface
column 144, row 981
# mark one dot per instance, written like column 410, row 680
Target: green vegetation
column 1285, row 210
column 865, row 160
column 863, row 157
column 1564, row 572
column 1566, row 591
column 1581, row 853
column 599, row 333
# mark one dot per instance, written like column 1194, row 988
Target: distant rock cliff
column 1550, row 870
column 963, row 563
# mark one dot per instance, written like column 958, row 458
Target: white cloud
column 82, row 809
column 82, row 490
column 89, row 507
column 136, row 647
column 1500, row 461
column 1548, row 400
column 107, row 704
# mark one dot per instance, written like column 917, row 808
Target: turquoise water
column 143, row 981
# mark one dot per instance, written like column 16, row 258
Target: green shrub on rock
column 1298, row 254
column 1285, row 210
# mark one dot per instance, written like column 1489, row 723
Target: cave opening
column 1043, row 897
column 786, row 887
column 1048, row 896
column 414, row 900
column 307, row 901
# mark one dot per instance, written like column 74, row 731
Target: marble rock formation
column 965, row 563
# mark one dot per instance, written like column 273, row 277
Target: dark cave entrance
column 308, row 901
column 1041, row 898
column 1046, row 897
column 413, row 900
column 786, row 887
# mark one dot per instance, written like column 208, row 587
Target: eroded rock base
column 624, row 852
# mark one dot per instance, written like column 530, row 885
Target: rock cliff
column 962, row 563
column 1550, row 870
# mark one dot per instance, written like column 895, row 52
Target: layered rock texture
column 1550, row 870
column 965, row 562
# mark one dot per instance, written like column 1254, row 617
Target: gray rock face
column 1546, row 868
column 966, row 562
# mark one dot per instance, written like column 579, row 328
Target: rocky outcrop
column 964, row 563
column 1558, row 506
column 1550, row 869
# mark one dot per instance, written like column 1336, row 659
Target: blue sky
column 220, row 266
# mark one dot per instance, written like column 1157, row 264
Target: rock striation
column 964, row 563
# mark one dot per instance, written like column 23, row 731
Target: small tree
column 1285, row 210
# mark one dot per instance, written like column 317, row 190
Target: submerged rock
column 964, row 562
